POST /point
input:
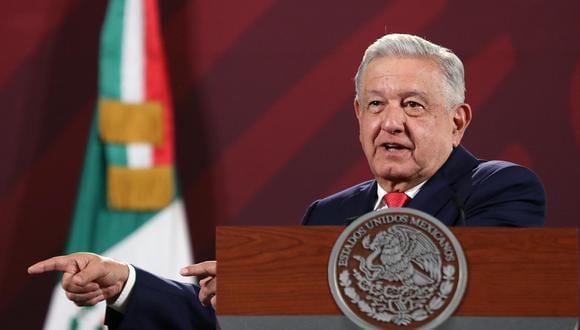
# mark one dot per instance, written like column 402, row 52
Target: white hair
column 406, row 45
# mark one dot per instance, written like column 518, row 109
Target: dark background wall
column 263, row 105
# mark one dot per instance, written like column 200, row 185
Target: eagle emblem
column 400, row 267
column 405, row 255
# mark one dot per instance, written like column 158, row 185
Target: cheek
column 369, row 129
column 432, row 141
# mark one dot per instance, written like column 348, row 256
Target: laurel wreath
column 402, row 318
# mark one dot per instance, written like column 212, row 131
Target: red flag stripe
column 156, row 82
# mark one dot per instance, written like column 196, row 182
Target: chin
column 393, row 175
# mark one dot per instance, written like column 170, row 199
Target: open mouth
column 393, row 146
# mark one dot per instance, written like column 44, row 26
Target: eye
column 413, row 108
column 412, row 104
column 375, row 105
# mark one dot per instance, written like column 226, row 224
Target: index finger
column 202, row 269
column 60, row 263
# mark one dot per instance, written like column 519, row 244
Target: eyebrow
column 373, row 92
column 414, row 93
column 403, row 94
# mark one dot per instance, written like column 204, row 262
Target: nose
column 394, row 119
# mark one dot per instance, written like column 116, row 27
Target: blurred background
column 263, row 109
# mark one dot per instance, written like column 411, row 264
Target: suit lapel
column 360, row 203
column 434, row 195
column 440, row 190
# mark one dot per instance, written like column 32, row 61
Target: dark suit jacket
column 157, row 303
column 464, row 191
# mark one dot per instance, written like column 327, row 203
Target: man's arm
column 159, row 303
column 154, row 302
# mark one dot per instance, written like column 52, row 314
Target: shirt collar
column 379, row 204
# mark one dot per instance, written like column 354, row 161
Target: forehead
column 396, row 73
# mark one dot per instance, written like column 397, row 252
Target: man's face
column 407, row 126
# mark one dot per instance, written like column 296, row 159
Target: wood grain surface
column 511, row 272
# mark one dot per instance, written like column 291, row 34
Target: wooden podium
column 276, row 277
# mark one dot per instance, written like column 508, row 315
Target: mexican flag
column 128, row 205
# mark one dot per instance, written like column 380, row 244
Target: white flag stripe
column 132, row 54
column 139, row 155
column 161, row 246
column 133, row 75
column 62, row 311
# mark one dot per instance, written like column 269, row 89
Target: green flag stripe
column 116, row 154
column 110, row 68
column 111, row 50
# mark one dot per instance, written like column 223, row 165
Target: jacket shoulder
column 504, row 172
column 334, row 209
column 505, row 194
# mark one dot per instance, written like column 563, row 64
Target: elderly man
column 412, row 117
column 411, row 113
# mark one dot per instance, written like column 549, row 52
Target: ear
column 461, row 119
column 357, row 109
